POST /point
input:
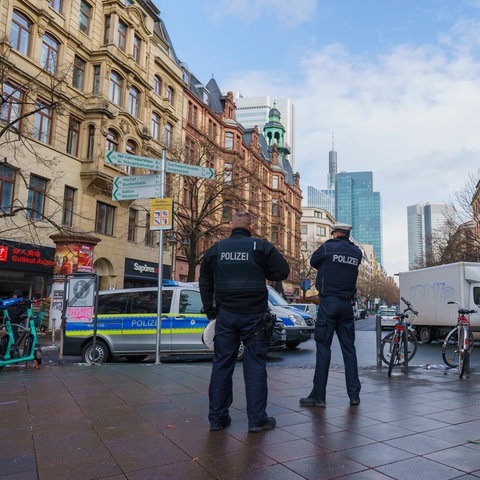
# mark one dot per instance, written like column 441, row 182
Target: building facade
column 358, row 205
column 82, row 80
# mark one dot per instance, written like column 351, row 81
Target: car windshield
column 275, row 298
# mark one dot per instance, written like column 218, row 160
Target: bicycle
column 458, row 344
column 399, row 346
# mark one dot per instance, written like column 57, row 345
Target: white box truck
column 430, row 289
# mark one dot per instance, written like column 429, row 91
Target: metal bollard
column 378, row 330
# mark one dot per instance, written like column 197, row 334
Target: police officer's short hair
column 242, row 218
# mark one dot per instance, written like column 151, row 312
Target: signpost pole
column 160, row 264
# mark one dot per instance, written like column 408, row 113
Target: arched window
column 49, row 56
column 157, row 85
column 115, row 94
column 112, row 141
column 131, row 147
column 133, row 100
column 20, row 32
column 91, row 142
column 167, row 135
column 156, row 126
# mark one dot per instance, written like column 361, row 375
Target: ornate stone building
column 81, row 79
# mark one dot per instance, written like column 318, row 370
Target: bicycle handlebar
column 409, row 306
column 461, row 310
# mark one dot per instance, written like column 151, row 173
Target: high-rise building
column 324, row 199
column 357, row 204
column 253, row 111
column 332, row 168
column 426, row 225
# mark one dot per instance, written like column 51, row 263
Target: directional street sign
column 189, row 170
column 136, row 181
column 120, row 158
column 129, row 193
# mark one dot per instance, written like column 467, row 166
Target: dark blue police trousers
column 230, row 329
column 335, row 315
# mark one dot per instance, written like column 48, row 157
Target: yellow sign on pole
column 161, row 214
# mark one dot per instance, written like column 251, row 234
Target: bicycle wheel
column 386, row 347
column 464, row 348
column 394, row 357
column 412, row 345
column 450, row 348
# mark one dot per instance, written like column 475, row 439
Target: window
column 84, row 18
column 304, row 229
column 227, row 174
column 170, row 95
column 167, row 135
column 156, row 126
column 275, row 207
column 132, row 225
column 321, row 231
column 227, row 213
column 137, row 46
column 121, row 36
column 148, row 232
column 68, row 201
column 275, row 182
column 106, row 37
column 7, row 183
column 20, row 33
column 78, row 76
column 49, row 55
column 37, row 191
column 104, row 218
column 274, row 235
column 96, row 79
column 157, row 85
column 91, row 142
column 112, row 141
column 11, row 109
column 190, row 302
column 132, row 149
column 133, row 96
column 73, row 136
column 115, row 88
column 229, row 140
column 42, row 123
column 56, row 5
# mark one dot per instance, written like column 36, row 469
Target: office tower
column 253, row 111
column 324, row 199
column 427, row 225
column 358, row 205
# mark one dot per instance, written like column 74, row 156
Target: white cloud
column 410, row 116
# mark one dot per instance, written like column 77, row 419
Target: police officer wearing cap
column 337, row 262
column 233, row 288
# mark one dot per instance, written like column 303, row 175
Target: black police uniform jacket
column 233, row 274
column 337, row 262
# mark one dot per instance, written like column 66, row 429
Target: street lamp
column 173, row 238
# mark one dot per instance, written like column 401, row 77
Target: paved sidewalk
column 147, row 421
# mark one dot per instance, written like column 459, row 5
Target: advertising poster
column 72, row 258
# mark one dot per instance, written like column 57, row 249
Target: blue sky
column 396, row 81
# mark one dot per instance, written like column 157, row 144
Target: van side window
column 190, row 302
column 476, row 295
column 146, row 302
column 112, row 303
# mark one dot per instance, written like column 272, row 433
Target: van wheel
column 292, row 345
column 241, row 351
column 425, row 335
column 102, row 353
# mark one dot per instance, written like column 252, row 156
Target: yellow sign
column 161, row 214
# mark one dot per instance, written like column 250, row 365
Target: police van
column 127, row 325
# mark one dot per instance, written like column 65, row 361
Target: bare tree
column 204, row 205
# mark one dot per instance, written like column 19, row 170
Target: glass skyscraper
column 358, row 205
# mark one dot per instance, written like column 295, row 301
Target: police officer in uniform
column 233, row 288
column 337, row 262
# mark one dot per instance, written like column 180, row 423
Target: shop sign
column 27, row 257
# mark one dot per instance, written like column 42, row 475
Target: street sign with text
column 137, row 192
column 189, row 170
column 136, row 181
column 127, row 159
